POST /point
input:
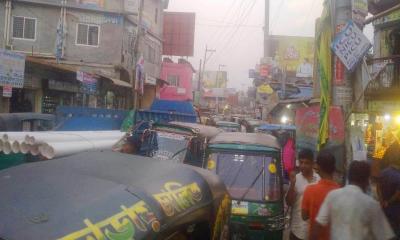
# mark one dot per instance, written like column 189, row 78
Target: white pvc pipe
column 59, row 149
column 7, row 147
column 44, row 137
column 1, row 145
column 24, row 147
column 6, row 136
column 15, row 148
column 34, row 150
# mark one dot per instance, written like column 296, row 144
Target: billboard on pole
column 215, row 79
column 178, row 36
column 290, row 53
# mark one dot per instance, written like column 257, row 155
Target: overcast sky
column 234, row 28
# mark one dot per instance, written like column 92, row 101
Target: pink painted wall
column 184, row 91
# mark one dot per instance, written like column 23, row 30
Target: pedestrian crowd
column 321, row 209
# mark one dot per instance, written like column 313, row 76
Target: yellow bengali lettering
column 175, row 198
column 121, row 223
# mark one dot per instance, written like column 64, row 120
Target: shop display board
column 307, row 129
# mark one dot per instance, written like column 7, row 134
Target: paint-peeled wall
column 184, row 73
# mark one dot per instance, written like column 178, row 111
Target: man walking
column 389, row 195
column 352, row 214
column 315, row 194
column 298, row 183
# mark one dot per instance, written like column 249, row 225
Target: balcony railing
column 386, row 78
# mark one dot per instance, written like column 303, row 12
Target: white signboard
column 7, row 91
column 131, row 6
column 12, row 68
column 150, row 80
column 181, row 91
column 350, row 45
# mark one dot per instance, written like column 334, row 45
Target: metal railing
column 386, row 77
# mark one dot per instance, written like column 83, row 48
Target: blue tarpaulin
column 173, row 106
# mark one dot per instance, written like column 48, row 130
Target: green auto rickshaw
column 250, row 166
column 178, row 142
column 108, row 195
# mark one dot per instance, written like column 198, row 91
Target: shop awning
column 116, row 81
column 120, row 83
column 52, row 63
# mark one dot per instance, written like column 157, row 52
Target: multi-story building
column 179, row 77
column 80, row 52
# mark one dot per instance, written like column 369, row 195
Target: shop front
column 380, row 128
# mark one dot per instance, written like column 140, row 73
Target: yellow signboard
column 265, row 89
column 295, row 54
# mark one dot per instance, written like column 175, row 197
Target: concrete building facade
column 100, row 38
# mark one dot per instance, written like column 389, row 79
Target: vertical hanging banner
column 339, row 67
column 89, row 82
column 324, row 57
column 351, row 45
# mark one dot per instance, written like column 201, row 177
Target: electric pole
column 342, row 87
column 137, row 55
column 205, row 59
column 266, row 30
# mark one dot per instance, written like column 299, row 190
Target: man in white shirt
column 352, row 214
column 298, row 183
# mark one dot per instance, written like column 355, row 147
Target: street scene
column 200, row 119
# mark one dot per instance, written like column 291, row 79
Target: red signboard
column 307, row 129
column 178, row 36
column 307, row 123
column 264, row 70
column 339, row 72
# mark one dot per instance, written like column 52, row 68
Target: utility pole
column 201, row 73
column 205, row 59
column 342, row 89
column 137, row 54
column 266, row 30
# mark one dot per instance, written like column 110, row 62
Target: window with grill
column 173, row 80
column 24, row 28
column 87, row 35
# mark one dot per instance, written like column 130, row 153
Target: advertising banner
column 350, row 45
column 12, row 68
column 294, row 54
column 307, row 129
column 215, row 79
column 88, row 80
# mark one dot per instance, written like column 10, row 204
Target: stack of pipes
column 57, row 144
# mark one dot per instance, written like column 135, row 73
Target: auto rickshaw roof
column 206, row 131
column 77, row 195
column 275, row 127
column 239, row 138
column 226, row 123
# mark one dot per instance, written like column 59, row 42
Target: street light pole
column 205, row 60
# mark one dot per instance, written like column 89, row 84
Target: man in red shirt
column 315, row 194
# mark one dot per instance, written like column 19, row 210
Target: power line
column 277, row 15
column 243, row 21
